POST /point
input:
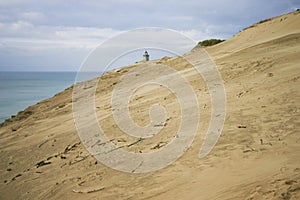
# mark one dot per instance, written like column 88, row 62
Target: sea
column 18, row 90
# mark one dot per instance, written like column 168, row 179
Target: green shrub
column 209, row 42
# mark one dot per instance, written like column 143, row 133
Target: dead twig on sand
column 42, row 163
column 43, row 143
column 88, row 191
column 139, row 140
column 77, row 161
column 70, row 148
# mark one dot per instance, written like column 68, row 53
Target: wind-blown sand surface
column 256, row 157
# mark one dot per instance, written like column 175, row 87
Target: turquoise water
column 18, row 90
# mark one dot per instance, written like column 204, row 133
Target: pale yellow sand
column 42, row 156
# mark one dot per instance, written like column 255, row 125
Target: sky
column 55, row 35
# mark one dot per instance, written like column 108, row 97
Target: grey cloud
column 76, row 26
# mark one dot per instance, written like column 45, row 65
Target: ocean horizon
column 21, row 89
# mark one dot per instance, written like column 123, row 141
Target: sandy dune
column 256, row 157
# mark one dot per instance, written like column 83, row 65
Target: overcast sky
column 55, row 35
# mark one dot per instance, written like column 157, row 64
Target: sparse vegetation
column 210, row 42
column 260, row 22
column 265, row 20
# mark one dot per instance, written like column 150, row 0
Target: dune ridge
column 256, row 157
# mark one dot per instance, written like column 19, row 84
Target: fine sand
column 256, row 157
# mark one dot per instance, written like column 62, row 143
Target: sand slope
column 256, row 157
